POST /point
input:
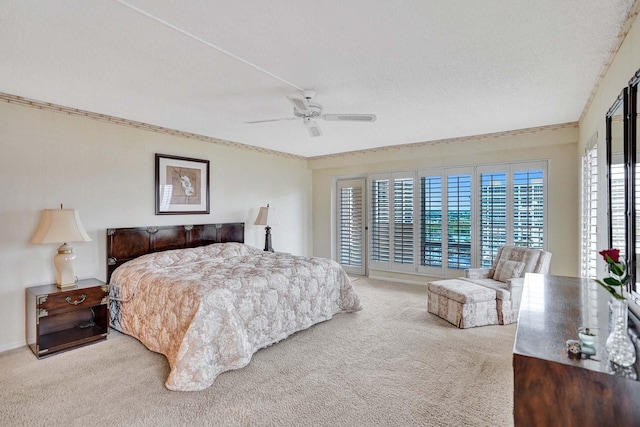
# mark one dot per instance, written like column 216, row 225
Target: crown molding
column 626, row 27
column 26, row 102
column 47, row 106
column 451, row 140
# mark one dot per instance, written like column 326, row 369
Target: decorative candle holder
column 574, row 349
column 587, row 336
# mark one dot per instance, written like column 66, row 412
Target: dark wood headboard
column 125, row 244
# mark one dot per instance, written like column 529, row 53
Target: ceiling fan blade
column 350, row 117
column 271, row 120
column 300, row 105
column 312, row 127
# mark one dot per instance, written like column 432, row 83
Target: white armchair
column 506, row 277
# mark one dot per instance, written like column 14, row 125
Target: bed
column 208, row 302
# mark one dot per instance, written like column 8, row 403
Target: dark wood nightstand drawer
column 72, row 300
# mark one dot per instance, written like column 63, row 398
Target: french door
column 351, row 222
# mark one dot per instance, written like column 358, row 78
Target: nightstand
column 59, row 320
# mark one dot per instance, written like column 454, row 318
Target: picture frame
column 182, row 185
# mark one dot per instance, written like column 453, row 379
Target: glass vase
column 619, row 347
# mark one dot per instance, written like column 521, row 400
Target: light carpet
column 391, row 364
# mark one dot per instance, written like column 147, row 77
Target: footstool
column 463, row 304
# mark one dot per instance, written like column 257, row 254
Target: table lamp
column 267, row 216
column 61, row 226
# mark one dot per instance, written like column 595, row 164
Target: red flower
column 614, row 254
column 618, row 278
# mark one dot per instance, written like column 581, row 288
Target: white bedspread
column 209, row 309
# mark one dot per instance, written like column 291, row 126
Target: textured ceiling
column 429, row 70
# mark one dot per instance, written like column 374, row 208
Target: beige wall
column 624, row 65
column 558, row 145
column 106, row 171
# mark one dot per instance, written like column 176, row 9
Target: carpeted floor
column 392, row 364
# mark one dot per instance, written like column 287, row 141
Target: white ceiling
column 428, row 69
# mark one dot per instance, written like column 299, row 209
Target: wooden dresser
column 551, row 389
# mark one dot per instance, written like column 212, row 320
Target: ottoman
column 462, row 303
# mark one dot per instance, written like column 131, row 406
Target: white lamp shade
column 267, row 216
column 60, row 226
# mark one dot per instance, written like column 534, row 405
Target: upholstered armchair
column 506, row 277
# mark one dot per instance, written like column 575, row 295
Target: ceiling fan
column 308, row 111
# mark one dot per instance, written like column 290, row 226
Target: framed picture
column 182, row 185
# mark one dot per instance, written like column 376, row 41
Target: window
column 403, row 220
column 431, row 221
column 380, row 227
column 589, row 213
column 512, row 208
column 465, row 215
column 459, row 221
column 528, row 208
column 392, row 221
column 493, row 215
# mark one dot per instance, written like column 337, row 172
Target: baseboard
column 398, row 280
column 11, row 346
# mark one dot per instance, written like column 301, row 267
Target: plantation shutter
column 442, row 220
column 351, row 225
column 431, row 221
column 403, row 212
column 380, row 220
column 459, row 221
column 528, row 208
column 493, row 215
column 589, row 213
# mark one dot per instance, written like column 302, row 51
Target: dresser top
column 52, row 289
column 552, row 310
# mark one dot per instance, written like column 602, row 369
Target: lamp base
column 267, row 240
column 65, row 262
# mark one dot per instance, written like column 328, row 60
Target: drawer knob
column 76, row 302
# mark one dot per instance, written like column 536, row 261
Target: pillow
column 506, row 270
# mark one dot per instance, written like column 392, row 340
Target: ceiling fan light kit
column 308, row 111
